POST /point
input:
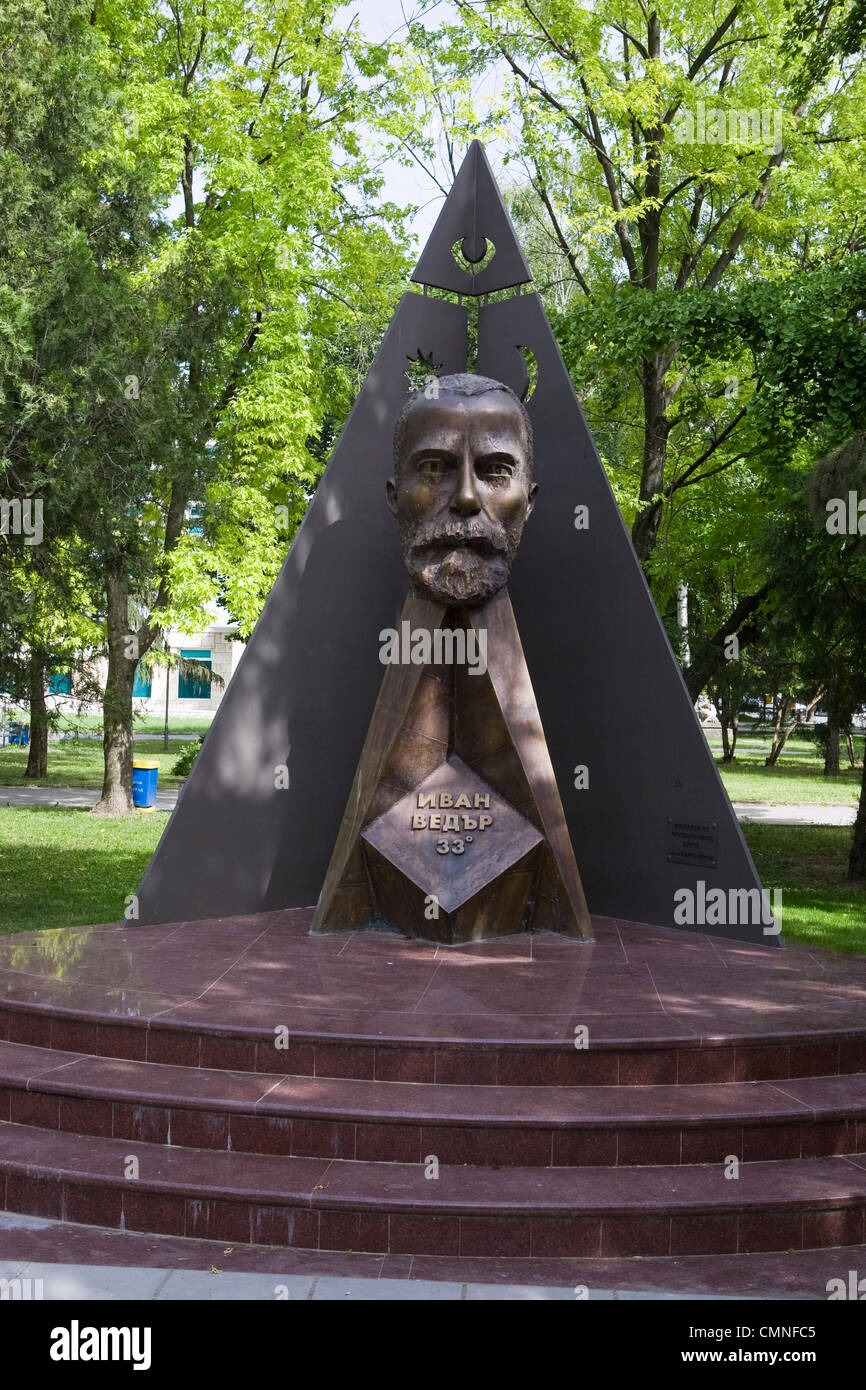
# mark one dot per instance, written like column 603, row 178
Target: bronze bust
column 454, row 829
column 462, row 488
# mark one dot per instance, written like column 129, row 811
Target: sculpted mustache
column 446, row 536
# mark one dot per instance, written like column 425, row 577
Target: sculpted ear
column 530, row 500
column 391, row 494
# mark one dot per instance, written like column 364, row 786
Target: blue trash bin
column 144, row 779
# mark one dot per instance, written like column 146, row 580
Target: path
column 802, row 814
column 763, row 811
column 81, row 797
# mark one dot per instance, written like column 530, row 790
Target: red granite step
column 372, row 1045
column 394, row 1207
column 401, row 1121
column 144, row 1086
column 788, row 1274
column 658, row 1006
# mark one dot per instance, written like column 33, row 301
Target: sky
column 382, row 19
column 404, row 184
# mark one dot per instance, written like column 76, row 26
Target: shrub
column 188, row 754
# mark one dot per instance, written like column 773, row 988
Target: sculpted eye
column 495, row 468
column 435, row 466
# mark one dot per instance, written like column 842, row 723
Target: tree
column 676, row 156
column 45, row 628
column 54, row 97
column 249, row 113
column 207, row 213
column 838, row 592
column 823, row 31
column 804, row 342
column 818, row 624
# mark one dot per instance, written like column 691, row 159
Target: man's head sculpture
column 462, row 488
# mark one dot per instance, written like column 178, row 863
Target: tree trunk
column 167, row 698
column 117, row 702
column 831, row 753
column 706, row 667
column 857, row 859
column 726, row 742
column 644, row 532
column 849, row 745
column 782, row 733
column 728, row 716
column 831, row 756
column 729, row 731
column 37, row 757
column 735, row 729
column 683, row 624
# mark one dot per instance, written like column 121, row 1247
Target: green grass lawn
column 61, row 868
column 78, row 762
column 797, row 777
column 144, row 724
column 188, row 724
column 820, row 907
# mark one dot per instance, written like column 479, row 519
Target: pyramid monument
column 651, row 825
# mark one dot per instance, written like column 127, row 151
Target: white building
column 212, row 646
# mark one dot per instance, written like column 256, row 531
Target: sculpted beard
column 459, row 561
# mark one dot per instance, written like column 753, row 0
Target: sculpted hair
column 460, row 384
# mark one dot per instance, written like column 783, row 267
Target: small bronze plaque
column 452, row 835
column 693, row 842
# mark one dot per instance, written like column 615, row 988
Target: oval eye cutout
column 530, row 362
column 473, row 254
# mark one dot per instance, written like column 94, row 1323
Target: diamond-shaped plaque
column 452, row 834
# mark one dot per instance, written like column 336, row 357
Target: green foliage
column 276, row 275
column 215, row 269
column 708, row 293
column 822, row 33
column 59, row 181
column 182, row 766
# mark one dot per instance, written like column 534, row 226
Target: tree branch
column 564, row 246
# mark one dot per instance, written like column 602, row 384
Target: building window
column 60, row 683
column 194, row 687
column 143, row 682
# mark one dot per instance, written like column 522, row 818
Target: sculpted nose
column 465, row 500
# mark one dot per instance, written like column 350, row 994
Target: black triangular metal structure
column 474, row 219
column 649, row 818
